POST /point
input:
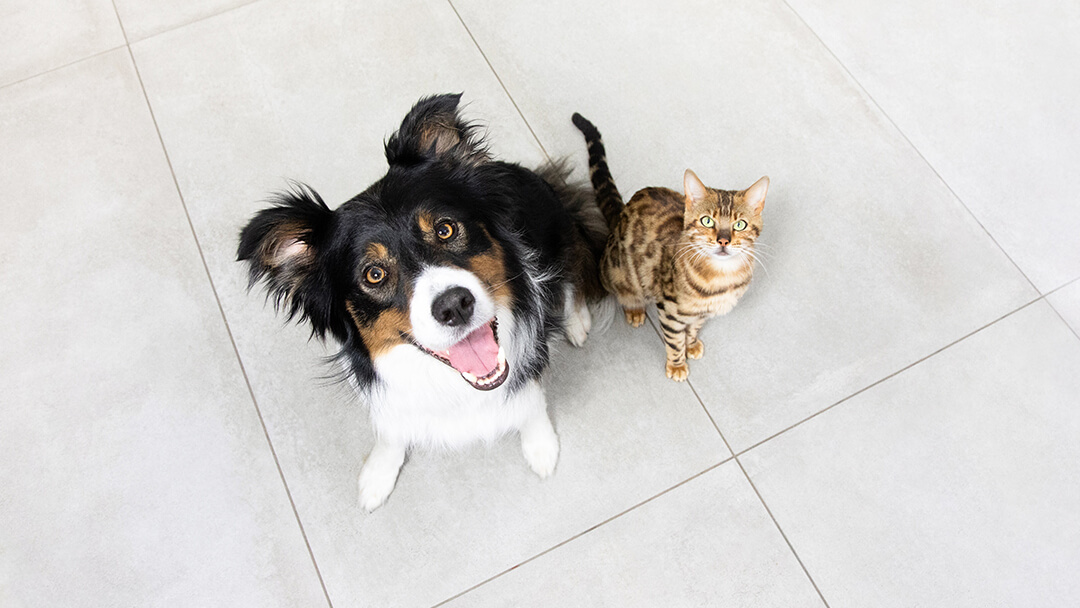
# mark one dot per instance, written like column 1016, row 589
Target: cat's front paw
column 677, row 371
column 634, row 316
column 695, row 350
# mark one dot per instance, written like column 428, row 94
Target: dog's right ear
column 282, row 244
column 433, row 130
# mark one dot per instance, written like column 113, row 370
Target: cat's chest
column 709, row 295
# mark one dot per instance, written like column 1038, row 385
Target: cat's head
column 723, row 223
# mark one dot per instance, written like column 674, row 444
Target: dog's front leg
column 539, row 442
column 379, row 474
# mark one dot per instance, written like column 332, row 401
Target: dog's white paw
column 379, row 475
column 541, row 451
column 375, row 487
column 578, row 324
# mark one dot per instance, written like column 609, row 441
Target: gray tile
column 135, row 470
column 951, row 484
column 145, row 18
column 987, row 92
column 706, row 543
column 239, row 110
column 1067, row 302
column 39, row 35
column 870, row 263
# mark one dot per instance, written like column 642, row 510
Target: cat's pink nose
column 723, row 241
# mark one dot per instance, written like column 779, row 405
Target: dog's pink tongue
column 477, row 354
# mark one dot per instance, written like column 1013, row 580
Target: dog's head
column 419, row 259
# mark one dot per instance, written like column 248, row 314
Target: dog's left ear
column 282, row 245
column 433, row 130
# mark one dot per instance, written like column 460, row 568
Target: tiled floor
column 889, row 418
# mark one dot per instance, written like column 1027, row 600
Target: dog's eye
column 375, row 275
column 445, row 230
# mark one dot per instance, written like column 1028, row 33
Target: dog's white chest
column 423, row 402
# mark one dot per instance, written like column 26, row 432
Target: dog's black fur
column 313, row 258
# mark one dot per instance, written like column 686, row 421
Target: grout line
column 781, row 530
column 910, row 143
column 896, row 373
column 501, row 83
column 193, row 21
column 221, row 309
column 751, row 482
column 66, row 65
column 1058, row 312
column 584, row 532
column 127, row 42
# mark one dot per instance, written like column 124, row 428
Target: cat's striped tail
column 607, row 195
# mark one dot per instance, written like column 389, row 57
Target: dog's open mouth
column 478, row 358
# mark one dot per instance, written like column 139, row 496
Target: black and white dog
column 443, row 282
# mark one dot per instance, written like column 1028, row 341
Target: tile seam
column 586, row 531
column 910, row 143
column 500, row 81
column 221, row 311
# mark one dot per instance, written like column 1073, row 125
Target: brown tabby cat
column 691, row 253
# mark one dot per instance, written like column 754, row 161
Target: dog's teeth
column 470, row 377
column 502, row 358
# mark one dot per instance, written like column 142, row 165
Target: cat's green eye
column 706, row 221
column 740, row 225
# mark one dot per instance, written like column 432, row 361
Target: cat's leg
column 617, row 276
column 673, row 327
column 694, row 347
column 634, row 312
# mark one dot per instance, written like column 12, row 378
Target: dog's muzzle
column 461, row 329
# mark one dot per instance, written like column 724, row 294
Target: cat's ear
column 694, row 190
column 755, row 195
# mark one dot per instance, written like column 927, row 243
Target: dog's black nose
column 453, row 307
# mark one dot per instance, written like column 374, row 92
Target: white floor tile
column 987, row 91
column 145, row 18
column 239, row 111
column 706, row 543
column 870, row 262
column 135, row 470
column 39, row 35
column 951, row 484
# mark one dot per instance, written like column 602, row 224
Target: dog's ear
column 433, row 130
column 281, row 245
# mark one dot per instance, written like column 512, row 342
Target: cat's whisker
column 689, row 249
column 756, row 258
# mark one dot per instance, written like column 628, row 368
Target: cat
column 692, row 253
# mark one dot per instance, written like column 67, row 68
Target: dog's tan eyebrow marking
column 426, row 222
column 377, row 251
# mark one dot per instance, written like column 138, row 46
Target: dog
column 443, row 282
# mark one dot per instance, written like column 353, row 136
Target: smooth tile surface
column 870, row 263
column 706, row 543
column 39, row 35
column 238, row 112
column 951, row 484
column 987, row 91
column 144, row 18
column 1067, row 302
column 135, row 470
